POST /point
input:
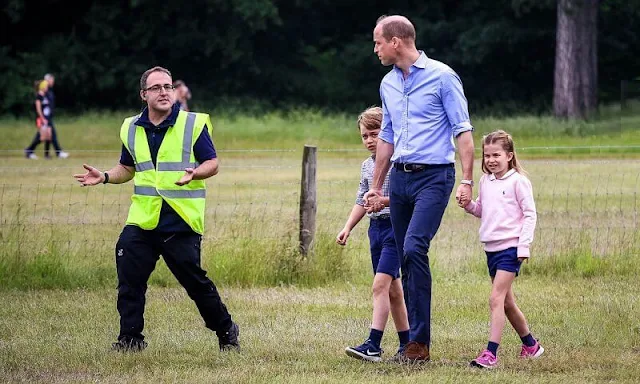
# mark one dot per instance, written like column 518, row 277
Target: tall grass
column 579, row 290
column 61, row 235
column 55, row 234
column 57, row 262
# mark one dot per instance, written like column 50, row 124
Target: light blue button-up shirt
column 424, row 112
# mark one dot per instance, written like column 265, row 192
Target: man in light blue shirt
column 424, row 109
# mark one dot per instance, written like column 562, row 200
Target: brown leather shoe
column 415, row 352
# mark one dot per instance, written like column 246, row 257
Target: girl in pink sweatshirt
column 507, row 215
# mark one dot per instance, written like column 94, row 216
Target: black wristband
column 106, row 178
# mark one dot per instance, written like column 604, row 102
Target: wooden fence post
column 308, row 203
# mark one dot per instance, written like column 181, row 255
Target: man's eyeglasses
column 157, row 88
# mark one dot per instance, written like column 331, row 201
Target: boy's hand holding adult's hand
column 372, row 200
column 374, row 204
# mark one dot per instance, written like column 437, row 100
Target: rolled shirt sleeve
column 455, row 102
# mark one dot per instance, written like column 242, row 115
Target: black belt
column 384, row 216
column 408, row 167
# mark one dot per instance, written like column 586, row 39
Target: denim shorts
column 506, row 260
column 384, row 253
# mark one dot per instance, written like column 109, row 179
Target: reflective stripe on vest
column 155, row 185
column 187, row 143
column 131, row 142
column 166, row 166
column 175, row 194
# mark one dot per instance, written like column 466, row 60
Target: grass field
column 589, row 328
column 98, row 132
column 57, row 276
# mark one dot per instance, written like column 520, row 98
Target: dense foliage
column 290, row 52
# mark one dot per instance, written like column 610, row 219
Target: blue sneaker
column 367, row 351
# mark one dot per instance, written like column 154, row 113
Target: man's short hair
column 48, row 76
column 145, row 75
column 396, row 28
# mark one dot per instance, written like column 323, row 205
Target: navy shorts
column 384, row 254
column 506, row 260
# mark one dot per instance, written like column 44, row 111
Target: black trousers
column 54, row 140
column 137, row 252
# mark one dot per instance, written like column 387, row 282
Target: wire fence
column 586, row 206
column 551, row 148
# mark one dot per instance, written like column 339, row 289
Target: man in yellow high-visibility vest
column 166, row 216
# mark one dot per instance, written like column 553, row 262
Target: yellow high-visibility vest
column 152, row 184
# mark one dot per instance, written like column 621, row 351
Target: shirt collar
column 510, row 172
column 422, row 60
column 144, row 121
column 420, row 63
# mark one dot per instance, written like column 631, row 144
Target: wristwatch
column 468, row 182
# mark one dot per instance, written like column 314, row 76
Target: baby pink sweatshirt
column 507, row 212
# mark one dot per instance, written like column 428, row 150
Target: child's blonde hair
column 40, row 85
column 44, row 84
column 370, row 118
column 506, row 141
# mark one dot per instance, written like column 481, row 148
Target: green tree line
column 282, row 53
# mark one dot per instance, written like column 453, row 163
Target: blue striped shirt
column 424, row 112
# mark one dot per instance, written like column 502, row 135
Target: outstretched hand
column 187, row 177
column 92, row 177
